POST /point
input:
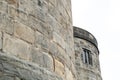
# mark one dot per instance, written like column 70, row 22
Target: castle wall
column 87, row 66
column 36, row 40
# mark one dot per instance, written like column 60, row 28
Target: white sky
column 102, row 19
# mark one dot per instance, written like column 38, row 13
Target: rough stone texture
column 12, row 68
column 16, row 47
column 37, row 42
column 86, row 71
column 38, row 31
column 1, row 40
column 83, row 34
column 69, row 75
column 59, row 68
column 42, row 58
column 24, row 32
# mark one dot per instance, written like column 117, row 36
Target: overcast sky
column 102, row 19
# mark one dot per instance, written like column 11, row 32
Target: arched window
column 87, row 56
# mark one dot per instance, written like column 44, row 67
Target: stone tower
column 86, row 55
column 37, row 42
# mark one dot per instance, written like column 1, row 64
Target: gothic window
column 87, row 57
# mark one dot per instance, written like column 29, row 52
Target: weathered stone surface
column 1, row 40
column 24, row 32
column 41, row 40
column 42, row 58
column 16, row 47
column 12, row 11
column 23, row 70
column 80, row 33
column 5, row 77
column 69, row 75
column 83, row 41
column 36, row 41
column 59, row 68
column 3, row 6
column 6, row 23
column 12, row 1
column 59, row 40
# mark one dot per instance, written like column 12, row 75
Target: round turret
column 83, row 34
column 86, row 55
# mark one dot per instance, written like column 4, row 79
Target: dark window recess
column 87, row 57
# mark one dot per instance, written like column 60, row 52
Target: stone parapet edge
column 83, row 34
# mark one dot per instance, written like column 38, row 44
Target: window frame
column 87, row 57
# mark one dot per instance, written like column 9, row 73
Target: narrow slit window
column 87, row 57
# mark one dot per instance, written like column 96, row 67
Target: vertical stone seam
column 2, row 41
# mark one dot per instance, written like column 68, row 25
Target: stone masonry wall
column 86, row 71
column 85, row 40
column 36, row 40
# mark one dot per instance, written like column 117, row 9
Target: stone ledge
column 83, row 34
column 24, row 70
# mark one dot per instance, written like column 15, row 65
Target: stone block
column 16, row 78
column 12, row 12
column 37, row 25
column 53, row 2
column 59, row 68
column 42, row 58
column 1, row 73
column 24, row 32
column 22, row 5
column 5, row 77
column 59, row 40
column 11, row 1
column 3, row 6
column 24, row 70
column 10, row 68
column 9, row 25
column 16, row 47
column 53, row 49
column 36, row 8
column 6, row 23
column 69, row 75
column 39, row 14
column 41, row 40
column 48, row 61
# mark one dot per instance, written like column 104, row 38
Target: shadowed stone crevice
column 39, row 3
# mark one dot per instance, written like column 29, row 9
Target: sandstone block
column 12, row 1
column 15, row 47
column 69, row 75
column 59, row 68
column 24, row 32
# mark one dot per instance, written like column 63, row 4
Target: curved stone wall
column 86, row 55
column 83, row 34
column 39, row 32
